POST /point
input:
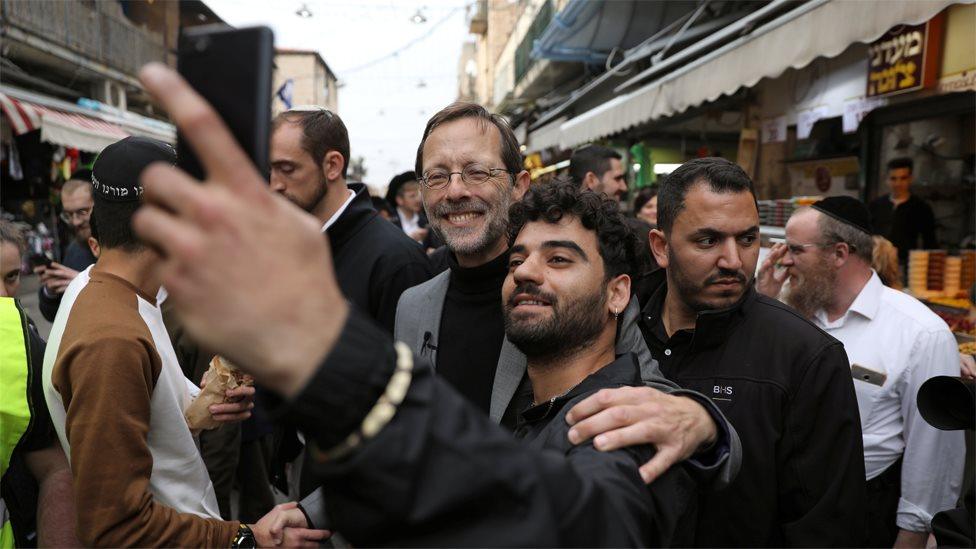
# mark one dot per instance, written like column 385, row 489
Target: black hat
column 846, row 210
column 395, row 184
column 115, row 175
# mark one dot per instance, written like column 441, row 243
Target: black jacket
column 441, row 474
column 786, row 387
column 374, row 261
column 77, row 256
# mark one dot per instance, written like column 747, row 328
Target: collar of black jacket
column 359, row 212
column 622, row 371
column 711, row 327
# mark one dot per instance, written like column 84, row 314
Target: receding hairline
column 484, row 125
column 71, row 186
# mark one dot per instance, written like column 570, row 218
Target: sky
column 395, row 73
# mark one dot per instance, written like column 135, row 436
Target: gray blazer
column 418, row 322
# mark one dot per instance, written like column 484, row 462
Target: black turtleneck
column 472, row 329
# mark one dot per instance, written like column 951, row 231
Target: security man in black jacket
column 784, row 384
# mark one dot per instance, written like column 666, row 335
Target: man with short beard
column 783, row 383
column 894, row 343
column 375, row 262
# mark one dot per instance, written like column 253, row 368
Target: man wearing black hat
column 114, row 388
column 403, row 194
column 894, row 343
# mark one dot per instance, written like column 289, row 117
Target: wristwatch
column 244, row 538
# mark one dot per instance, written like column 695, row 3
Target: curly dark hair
column 551, row 201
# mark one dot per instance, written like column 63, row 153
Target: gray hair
column 834, row 231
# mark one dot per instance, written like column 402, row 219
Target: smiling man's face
column 555, row 295
column 472, row 219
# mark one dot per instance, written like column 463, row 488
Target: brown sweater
column 107, row 369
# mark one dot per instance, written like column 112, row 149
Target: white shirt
column 335, row 217
column 895, row 335
column 409, row 224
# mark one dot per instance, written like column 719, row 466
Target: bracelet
column 381, row 413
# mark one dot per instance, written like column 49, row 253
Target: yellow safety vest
column 15, row 414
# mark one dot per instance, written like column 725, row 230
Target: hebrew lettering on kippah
column 115, row 192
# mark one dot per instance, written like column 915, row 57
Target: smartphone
column 38, row 260
column 232, row 70
column 868, row 375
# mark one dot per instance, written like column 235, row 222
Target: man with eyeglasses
column 76, row 201
column 471, row 172
column 893, row 343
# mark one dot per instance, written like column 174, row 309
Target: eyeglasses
column 472, row 174
column 83, row 213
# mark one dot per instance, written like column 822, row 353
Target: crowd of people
column 474, row 360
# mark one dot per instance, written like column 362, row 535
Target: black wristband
column 308, row 519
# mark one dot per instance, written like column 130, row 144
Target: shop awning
column 588, row 30
column 60, row 128
column 818, row 28
column 65, row 124
column 546, row 136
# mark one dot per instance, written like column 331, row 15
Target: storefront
column 832, row 127
column 43, row 140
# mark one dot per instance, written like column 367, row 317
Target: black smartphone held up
column 232, row 70
column 38, row 260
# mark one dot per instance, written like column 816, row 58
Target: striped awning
column 69, row 129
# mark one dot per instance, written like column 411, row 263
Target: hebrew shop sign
column 906, row 58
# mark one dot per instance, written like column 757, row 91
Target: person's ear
column 332, row 165
column 842, row 252
column 96, row 250
column 618, row 294
column 522, row 182
column 591, row 181
column 659, row 247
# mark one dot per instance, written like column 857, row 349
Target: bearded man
column 893, row 343
column 782, row 383
column 375, row 262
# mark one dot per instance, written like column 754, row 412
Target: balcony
column 523, row 54
column 479, row 19
column 85, row 29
